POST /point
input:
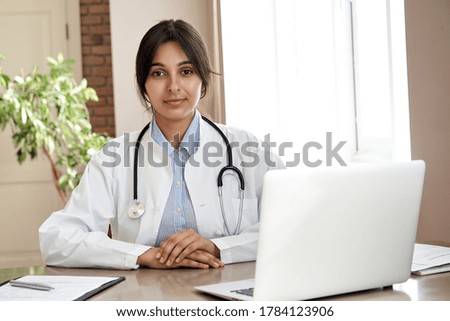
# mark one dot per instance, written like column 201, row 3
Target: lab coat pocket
column 249, row 213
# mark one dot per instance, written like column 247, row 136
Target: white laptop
column 333, row 230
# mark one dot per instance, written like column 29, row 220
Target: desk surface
column 178, row 285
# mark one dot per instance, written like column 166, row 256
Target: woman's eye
column 187, row 72
column 158, row 73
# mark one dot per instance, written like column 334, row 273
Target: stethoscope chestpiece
column 136, row 209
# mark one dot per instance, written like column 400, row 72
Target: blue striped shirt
column 178, row 213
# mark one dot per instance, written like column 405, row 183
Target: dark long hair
column 190, row 42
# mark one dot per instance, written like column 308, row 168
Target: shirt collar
column 190, row 141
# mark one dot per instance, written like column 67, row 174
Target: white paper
column 66, row 288
column 427, row 256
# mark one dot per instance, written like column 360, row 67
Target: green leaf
column 19, row 80
column 49, row 144
column 21, row 155
column 63, row 181
column 33, row 153
column 52, row 61
column 39, row 124
column 16, row 103
column 91, row 152
column 60, row 57
column 24, row 116
column 4, row 80
column 84, row 123
column 90, row 94
column 72, row 184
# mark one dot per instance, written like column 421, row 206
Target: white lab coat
column 77, row 235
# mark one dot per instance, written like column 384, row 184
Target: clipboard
column 66, row 288
column 102, row 287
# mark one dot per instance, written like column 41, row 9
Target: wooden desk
column 178, row 285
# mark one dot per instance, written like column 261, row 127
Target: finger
column 187, row 250
column 185, row 246
column 193, row 264
column 207, row 258
column 167, row 246
column 175, row 244
column 200, row 243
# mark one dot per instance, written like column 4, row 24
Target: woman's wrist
column 146, row 258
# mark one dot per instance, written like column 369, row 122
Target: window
column 289, row 72
column 381, row 80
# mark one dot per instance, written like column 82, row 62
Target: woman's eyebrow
column 158, row 64
column 186, row 62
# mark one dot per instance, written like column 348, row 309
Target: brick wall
column 97, row 62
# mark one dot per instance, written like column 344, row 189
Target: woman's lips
column 174, row 101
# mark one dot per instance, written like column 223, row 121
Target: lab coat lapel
column 201, row 181
column 154, row 181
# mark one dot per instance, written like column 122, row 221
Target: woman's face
column 173, row 86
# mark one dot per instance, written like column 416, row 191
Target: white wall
column 130, row 20
column 428, row 47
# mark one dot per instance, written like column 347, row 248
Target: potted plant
column 47, row 114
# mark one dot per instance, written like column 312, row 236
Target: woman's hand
column 199, row 260
column 186, row 244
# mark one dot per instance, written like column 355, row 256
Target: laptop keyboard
column 247, row 292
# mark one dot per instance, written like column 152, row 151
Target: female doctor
column 191, row 198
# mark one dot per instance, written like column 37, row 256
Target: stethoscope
column 137, row 208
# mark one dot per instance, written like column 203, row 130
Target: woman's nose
column 174, row 85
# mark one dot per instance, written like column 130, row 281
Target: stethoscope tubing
column 136, row 160
column 229, row 157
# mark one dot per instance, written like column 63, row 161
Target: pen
column 31, row 285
